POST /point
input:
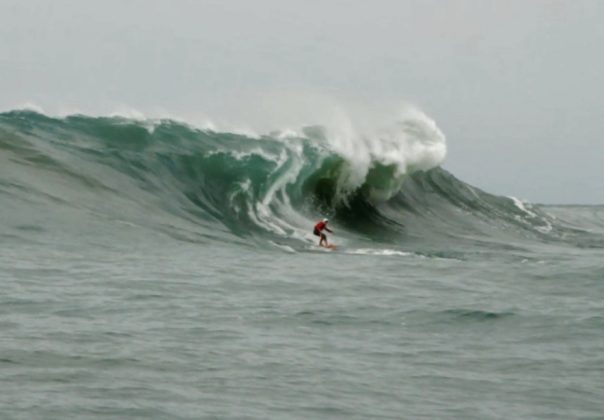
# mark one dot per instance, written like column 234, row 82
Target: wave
column 384, row 187
column 475, row 315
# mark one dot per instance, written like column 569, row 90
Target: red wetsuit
column 320, row 226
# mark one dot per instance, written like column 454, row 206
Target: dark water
column 159, row 271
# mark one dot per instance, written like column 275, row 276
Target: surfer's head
column 325, row 220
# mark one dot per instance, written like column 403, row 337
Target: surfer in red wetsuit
column 318, row 231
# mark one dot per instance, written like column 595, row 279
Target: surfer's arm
column 328, row 230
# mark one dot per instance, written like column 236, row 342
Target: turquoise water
column 160, row 271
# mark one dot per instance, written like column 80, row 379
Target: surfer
column 318, row 231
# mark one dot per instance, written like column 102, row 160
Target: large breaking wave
column 194, row 184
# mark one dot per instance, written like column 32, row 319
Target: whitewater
column 154, row 269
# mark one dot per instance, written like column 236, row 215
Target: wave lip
column 380, row 159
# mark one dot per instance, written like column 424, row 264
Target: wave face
column 203, row 185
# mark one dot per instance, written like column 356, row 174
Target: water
column 145, row 274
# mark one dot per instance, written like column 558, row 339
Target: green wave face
column 203, row 185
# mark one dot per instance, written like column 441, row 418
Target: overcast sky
column 516, row 86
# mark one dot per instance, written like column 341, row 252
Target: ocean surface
column 153, row 270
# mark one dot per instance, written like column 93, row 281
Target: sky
column 516, row 86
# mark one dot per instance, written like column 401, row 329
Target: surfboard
column 330, row 246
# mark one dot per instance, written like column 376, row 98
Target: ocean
column 152, row 269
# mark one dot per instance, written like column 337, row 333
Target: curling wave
column 385, row 186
